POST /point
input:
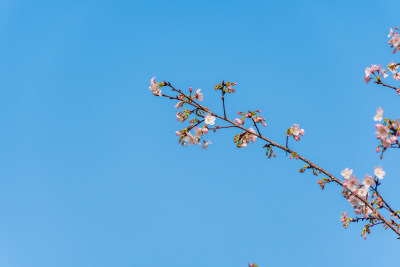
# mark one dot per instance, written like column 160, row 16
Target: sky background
column 91, row 173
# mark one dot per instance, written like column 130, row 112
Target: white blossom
column 209, row 119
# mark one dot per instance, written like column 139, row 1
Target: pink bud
column 296, row 137
column 259, row 111
column 248, row 115
column 190, row 89
column 204, row 130
column 239, row 113
column 378, row 149
column 301, row 132
column 264, row 124
column 178, row 133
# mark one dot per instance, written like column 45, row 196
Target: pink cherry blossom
column 352, row 183
column 178, row 105
column 368, row 181
column 390, row 33
column 238, row 122
column 382, row 131
column 343, row 217
column 396, row 76
column 393, row 67
column 357, row 211
column 386, row 142
column 198, row 132
column 198, row 95
column 376, row 68
column 379, row 114
column 252, row 137
column 368, row 71
column 204, row 130
column 383, row 72
column 395, row 41
column 296, row 131
column 205, row 145
column 154, row 87
column 193, row 140
column 209, row 119
column 362, row 192
column 353, row 201
column 346, row 173
column 179, row 117
column 379, row 172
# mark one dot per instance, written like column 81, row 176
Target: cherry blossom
column 390, row 33
column 198, row 132
column 179, row 117
column 198, row 95
column 386, row 142
column 383, row 72
column 368, row 71
column 178, row 105
column 393, row 67
column 296, row 131
column 209, row 119
column 379, row 172
column 252, row 137
column 395, row 41
column 362, row 191
column 344, row 216
column 238, row 122
column 396, row 76
column 205, row 145
column 193, row 140
column 154, row 87
column 346, row 173
column 382, row 131
column 352, row 183
column 353, row 201
column 379, row 114
column 368, row 181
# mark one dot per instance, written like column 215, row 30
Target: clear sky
column 91, row 173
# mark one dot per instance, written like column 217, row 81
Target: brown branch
column 272, row 143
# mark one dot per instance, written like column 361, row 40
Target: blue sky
column 91, row 173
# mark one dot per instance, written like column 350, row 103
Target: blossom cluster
column 387, row 132
column 225, row 87
column 395, row 39
column 186, row 137
column 243, row 139
column 254, row 115
column 376, row 72
column 359, row 194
